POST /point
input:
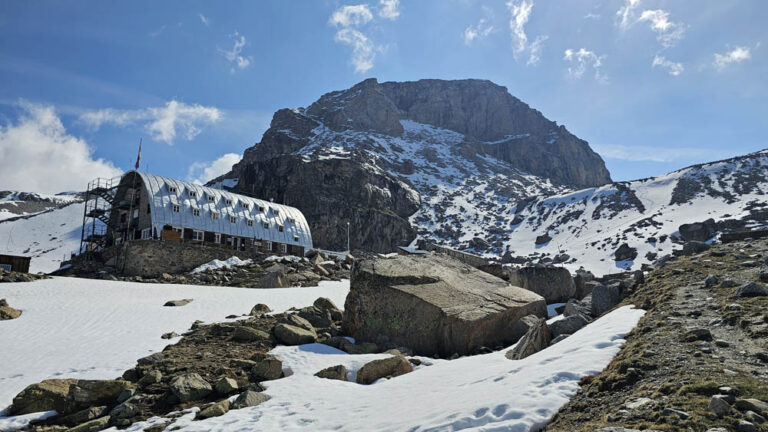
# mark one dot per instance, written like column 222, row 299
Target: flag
column 138, row 158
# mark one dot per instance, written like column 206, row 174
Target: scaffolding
column 99, row 201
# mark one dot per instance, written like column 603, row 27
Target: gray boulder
column 326, row 304
column 579, row 307
column 319, row 318
column 567, row 325
column 7, row 312
column 699, row 231
column 177, row 303
column 274, row 279
column 694, row 247
column 67, row 396
column 389, row 367
column 267, row 367
column 249, row 334
column 338, row 372
column 226, row 386
column 249, row 398
column 214, row 410
column 434, row 304
column 555, row 284
column 92, row 426
column 719, row 406
column 625, row 253
column 260, row 309
column 292, row 335
column 190, row 387
column 605, row 297
column 536, row 339
column 751, row 289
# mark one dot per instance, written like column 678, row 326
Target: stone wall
column 147, row 258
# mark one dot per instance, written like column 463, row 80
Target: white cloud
column 163, row 123
column 38, row 155
column 363, row 53
column 674, row 68
column 389, row 9
column 204, row 19
column 581, row 60
column 239, row 62
column 668, row 33
column 625, row 16
column 158, row 32
column 734, row 56
column 593, row 16
column 656, row 154
column 479, row 31
column 202, row 172
column 519, row 14
column 351, row 16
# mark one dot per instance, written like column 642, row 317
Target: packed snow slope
column 49, row 236
column 590, row 224
column 14, row 204
column 95, row 329
column 476, row 393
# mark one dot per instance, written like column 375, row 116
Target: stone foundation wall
column 148, row 258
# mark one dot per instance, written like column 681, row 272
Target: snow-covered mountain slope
column 590, row 224
column 14, row 204
column 48, row 237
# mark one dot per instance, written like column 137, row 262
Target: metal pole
column 348, row 249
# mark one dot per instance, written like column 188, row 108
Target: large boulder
column 605, row 297
column 751, row 289
column 698, row 231
column 625, row 253
column 555, row 284
column 536, row 339
column 67, row 396
column 389, row 367
column 434, row 304
column 568, row 325
column 293, row 335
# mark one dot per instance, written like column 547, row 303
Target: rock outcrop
column 434, row 305
column 367, row 155
column 7, row 312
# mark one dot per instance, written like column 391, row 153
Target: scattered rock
column 710, row 281
column 555, row 284
column 694, row 247
column 745, row 426
column 542, row 239
column 151, row 377
column 93, row 425
column 338, row 372
column 67, row 396
column 249, row 398
column 267, row 367
column 751, row 405
column 323, row 303
column 84, row 416
column 182, row 302
column 170, row 335
column 389, row 367
column 226, row 386
column 751, row 289
column 151, row 359
column 215, row 410
column 719, row 406
column 260, row 309
column 535, row 339
column 292, row 335
column 249, row 334
column 625, row 253
column 568, row 325
column 190, row 387
column 7, row 312
column 698, row 334
column 698, row 231
column 673, row 412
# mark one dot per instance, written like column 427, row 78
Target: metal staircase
column 99, row 201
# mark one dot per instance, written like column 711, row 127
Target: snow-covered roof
column 254, row 218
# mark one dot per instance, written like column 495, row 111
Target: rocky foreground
column 697, row 361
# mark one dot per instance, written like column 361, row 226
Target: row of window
column 228, row 201
column 198, row 235
column 232, row 219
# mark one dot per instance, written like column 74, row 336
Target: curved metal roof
column 266, row 216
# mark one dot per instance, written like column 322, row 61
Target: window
column 266, row 225
column 249, row 222
column 172, row 189
column 245, row 205
column 215, row 216
column 211, row 198
column 6, row 267
column 232, row 219
column 193, row 193
column 197, row 235
column 149, row 209
column 268, row 246
column 176, row 208
column 146, row 233
column 228, row 201
column 136, row 213
column 283, row 248
column 280, row 228
column 217, row 238
column 176, row 229
column 195, row 212
column 261, row 209
column 295, row 238
column 291, row 220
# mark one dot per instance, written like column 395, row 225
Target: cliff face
column 395, row 159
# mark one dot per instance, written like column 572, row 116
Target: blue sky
column 653, row 85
